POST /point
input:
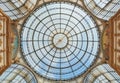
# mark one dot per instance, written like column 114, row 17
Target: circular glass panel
column 60, row 41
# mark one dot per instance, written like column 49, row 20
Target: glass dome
column 60, row 40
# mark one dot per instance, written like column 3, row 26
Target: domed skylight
column 60, row 40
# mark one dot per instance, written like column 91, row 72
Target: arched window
column 103, row 9
column 102, row 74
column 17, row 8
column 17, row 74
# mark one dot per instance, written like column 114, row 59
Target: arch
column 103, row 9
column 17, row 8
column 17, row 74
column 102, row 74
